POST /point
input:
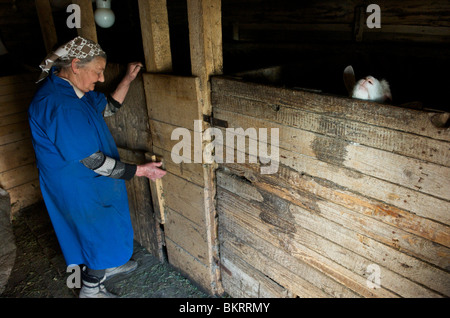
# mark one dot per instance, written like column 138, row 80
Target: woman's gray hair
column 60, row 63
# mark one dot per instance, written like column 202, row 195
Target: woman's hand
column 132, row 71
column 122, row 89
column 150, row 170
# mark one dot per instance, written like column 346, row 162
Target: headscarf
column 79, row 48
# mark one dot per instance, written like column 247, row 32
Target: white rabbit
column 368, row 88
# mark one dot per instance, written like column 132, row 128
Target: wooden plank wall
column 174, row 101
column 18, row 172
column 361, row 187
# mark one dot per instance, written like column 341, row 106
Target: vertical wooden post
column 155, row 35
column 88, row 29
column 205, row 36
column 44, row 12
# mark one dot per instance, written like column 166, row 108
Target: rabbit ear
column 349, row 79
column 386, row 90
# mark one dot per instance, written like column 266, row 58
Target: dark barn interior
column 357, row 182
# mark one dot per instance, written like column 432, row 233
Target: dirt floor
column 40, row 271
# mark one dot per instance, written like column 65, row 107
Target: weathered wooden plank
column 16, row 154
column 184, row 197
column 162, row 138
column 187, row 234
column 11, row 104
column 44, row 12
column 18, row 79
column 281, row 105
column 407, row 144
column 16, row 89
column 322, row 198
column 316, row 214
column 14, row 132
column 415, row 270
column 155, row 35
column 423, row 205
column 306, row 281
column 190, row 266
column 129, row 126
column 415, row 174
column 241, row 280
column 14, row 118
column 401, row 198
column 18, row 176
column 325, row 251
column 172, row 99
column 192, row 172
column 205, row 38
column 296, row 277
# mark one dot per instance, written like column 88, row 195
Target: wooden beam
column 44, row 12
column 88, row 29
column 155, row 35
column 205, row 36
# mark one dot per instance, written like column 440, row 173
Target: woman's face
column 89, row 74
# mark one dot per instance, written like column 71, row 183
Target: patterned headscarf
column 79, row 48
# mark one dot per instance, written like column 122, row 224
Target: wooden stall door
column 184, row 197
column 358, row 207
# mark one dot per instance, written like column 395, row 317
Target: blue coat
column 89, row 212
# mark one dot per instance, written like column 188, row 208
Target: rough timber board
column 189, row 236
column 281, row 100
column 243, row 281
column 184, row 197
column 172, row 99
column 18, row 176
column 192, row 172
column 335, row 251
column 387, row 200
column 389, row 226
column 155, row 35
column 375, row 202
column 162, row 138
column 408, row 172
column 191, row 266
column 16, row 154
column 427, row 149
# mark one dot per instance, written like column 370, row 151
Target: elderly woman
column 80, row 173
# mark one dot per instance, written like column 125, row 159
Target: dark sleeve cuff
column 130, row 171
